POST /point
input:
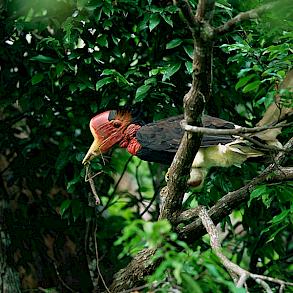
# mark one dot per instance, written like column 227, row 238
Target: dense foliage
column 64, row 61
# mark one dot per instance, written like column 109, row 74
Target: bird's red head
column 107, row 129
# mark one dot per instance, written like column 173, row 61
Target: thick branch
column 194, row 102
column 205, row 10
column 278, row 175
column 251, row 14
column 133, row 275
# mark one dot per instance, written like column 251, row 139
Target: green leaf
column 81, row 4
column 37, row 78
column 257, row 192
column 243, row 81
column 76, row 208
column 154, row 21
column 97, row 56
column 174, row 43
column 280, row 218
column 141, row 92
column 272, row 237
column 59, row 69
column 189, row 284
column 64, row 206
column 102, row 41
column 44, row 59
column 100, row 83
column 171, row 70
column 188, row 65
column 168, row 19
column 253, row 86
column 189, row 51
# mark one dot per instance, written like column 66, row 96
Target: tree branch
column 205, row 10
column 238, row 274
column 235, row 131
column 133, row 275
column 251, row 14
column 194, row 102
column 188, row 15
column 278, row 175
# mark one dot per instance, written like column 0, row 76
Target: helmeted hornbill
column 159, row 141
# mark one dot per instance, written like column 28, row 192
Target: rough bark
column 194, row 102
column 9, row 278
column 133, row 275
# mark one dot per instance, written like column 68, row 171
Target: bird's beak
column 105, row 136
column 93, row 152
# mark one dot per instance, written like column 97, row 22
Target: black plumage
column 160, row 140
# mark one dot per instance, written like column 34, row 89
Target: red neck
column 129, row 141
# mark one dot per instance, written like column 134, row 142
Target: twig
column 156, row 186
column 138, row 182
column 60, row 278
column 241, row 131
column 97, row 258
column 238, row 274
column 149, row 205
column 116, row 185
column 89, row 178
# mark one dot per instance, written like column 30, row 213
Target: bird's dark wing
column 160, row 140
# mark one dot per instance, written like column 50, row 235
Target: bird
column 158, row 141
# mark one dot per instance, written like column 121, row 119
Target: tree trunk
column 9, row 278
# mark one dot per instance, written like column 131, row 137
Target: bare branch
column 97, row 258
column 236, row 131
column 251, row 14
column 238, row 274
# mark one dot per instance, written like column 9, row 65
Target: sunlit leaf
column 174, row 43
column 141, row 92
column 44, row 59
column 253, row 86
column 100, row 83
column 243, row 81
column 171, row 70
column 154, row 21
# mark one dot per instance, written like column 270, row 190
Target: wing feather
column 160, row 140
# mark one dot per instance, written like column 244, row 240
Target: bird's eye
column 116, row 123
